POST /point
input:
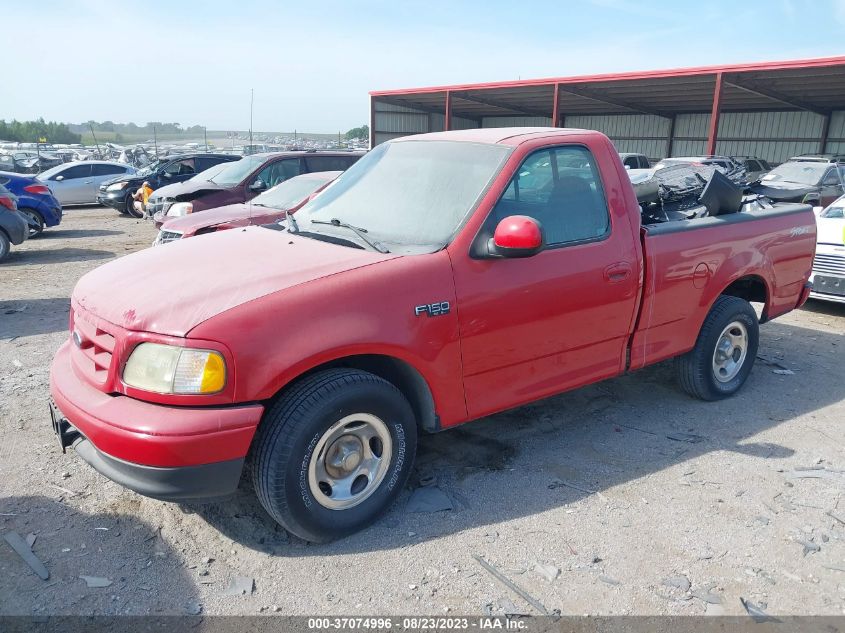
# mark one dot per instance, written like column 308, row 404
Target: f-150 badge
column 432, row 309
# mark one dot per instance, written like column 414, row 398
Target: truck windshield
column 801, row 172
column 411, row 196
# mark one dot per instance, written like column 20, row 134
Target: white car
column 79, row 182
column 828, row 276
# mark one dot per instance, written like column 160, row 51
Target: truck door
column 540, row 325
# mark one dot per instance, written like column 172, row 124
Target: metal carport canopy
column 813, row 85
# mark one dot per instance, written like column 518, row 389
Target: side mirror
column 258, row 185
column 517, row 236
column 59, row 178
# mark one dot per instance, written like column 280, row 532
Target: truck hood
column 830, row 231
column 173, row 289
column 228, row 213
column 188, row 190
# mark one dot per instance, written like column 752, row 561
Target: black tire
column 294, row 427
column 5, row 246
column 697, row 369
column 36, row 216
column 129, row 207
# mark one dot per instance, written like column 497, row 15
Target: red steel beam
column 556, row 107
column 713, row 134
column 447, row 122
column 825, row 133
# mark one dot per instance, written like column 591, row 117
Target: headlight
column 170, row 369
column 117, row 186
column 179, row 209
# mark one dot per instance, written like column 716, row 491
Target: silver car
column 79, row 182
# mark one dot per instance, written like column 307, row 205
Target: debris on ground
column 690, row 438
column 809, row 546
column 429, row 499
column 678, row 582
column 549, row 572
column 241, row 586
column 23, row 550
column 705, row 594
column 757, row 612
column 96, row 582
column 783, row 372
column 193, row 607
column 609, row 580
column 507, row 583
column 30, row 540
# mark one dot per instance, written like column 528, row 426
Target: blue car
column 34, row 201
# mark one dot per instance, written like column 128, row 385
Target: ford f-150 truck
column 442, row 278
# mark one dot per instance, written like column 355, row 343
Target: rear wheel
column 724, row 352
column 333, row 453
column 36, row 222
column 5, row 246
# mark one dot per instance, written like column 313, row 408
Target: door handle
column 617, row 272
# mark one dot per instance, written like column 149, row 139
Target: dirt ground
column 626, row 497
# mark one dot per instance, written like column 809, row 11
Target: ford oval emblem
column 77, row 339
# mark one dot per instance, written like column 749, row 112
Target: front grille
column 168, row 236
column 156, row 205
column 829, row 264
column 94, row 349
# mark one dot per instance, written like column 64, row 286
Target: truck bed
column 688, row 264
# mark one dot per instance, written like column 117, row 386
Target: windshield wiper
column 360, row 232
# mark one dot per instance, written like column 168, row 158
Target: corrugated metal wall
column 836, row 133
column 774, row 136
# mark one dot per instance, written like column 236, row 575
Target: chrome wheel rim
column 731, row 350
column 350, row 461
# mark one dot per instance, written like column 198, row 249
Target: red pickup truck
column 442, row 278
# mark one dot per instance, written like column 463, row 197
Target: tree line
column 35, row 131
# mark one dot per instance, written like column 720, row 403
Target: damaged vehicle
column 242, row 181
column 816, row 180
column 271, row 206
column 14, row 228
column 444, row 277
column 733, row 169
column 829, row 264
column 35, row 201
column 117, row 192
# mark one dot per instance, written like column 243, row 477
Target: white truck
column 828, row 276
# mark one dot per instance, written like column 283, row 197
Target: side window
column 107, row 170
column 204, row 162
column 329, row 163
column 182, row 167
column 77, row 171
column 277, row 172
column 831, row 177
column 561, row 189
column 644, row 163
column 632, row 162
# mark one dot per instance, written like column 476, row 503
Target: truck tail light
column 38, row 190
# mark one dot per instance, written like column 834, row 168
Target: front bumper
column 113, row 199
column 165, row 452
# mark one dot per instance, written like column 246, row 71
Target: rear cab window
column 329, row 163
column 559, row 187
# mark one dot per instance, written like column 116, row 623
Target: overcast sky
column 313, row 62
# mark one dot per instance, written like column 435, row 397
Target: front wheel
column 129, row 207
column 724, row 352
column 333, row 453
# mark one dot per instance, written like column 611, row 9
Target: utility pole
column 251, row 101
column 95, row 141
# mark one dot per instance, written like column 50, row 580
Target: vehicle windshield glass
column 836, row 211
column 146, row 171
column 801, row 172
column 235, row 172
column 209, row 173
column 411, row 196
column 290, row 193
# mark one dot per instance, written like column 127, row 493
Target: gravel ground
column 626, row 497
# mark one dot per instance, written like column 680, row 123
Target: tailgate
column 689, row 264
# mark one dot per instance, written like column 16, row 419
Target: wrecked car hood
column 187, row 190
column 172, row 290
column 228, row 213
column 783, row 190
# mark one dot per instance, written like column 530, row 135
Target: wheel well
column 35, row 211
column 751, row 288
column 399, row 373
